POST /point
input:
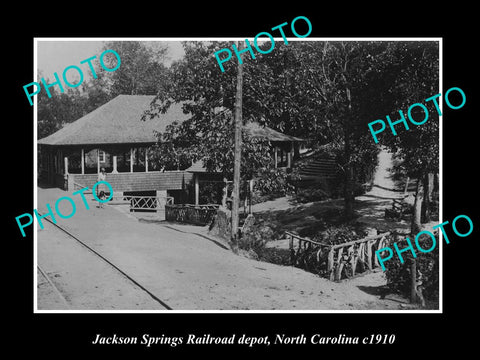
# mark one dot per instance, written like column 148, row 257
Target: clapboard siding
column 169, row 180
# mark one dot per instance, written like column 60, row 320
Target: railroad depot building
column 114, row 137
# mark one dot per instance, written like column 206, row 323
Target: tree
column 208, row 95
column 57, row 111
column 237, row 155
column 65, row 107
column 339, row 81
column 317, row 90
column 416, row 69
column 416, row 66
column 141, row 71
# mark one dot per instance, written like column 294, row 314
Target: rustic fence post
column 292, row 250
column 413, row 281
column 369, row 255
column 353, row 259
column 361, row 257
column 338, row 270
column 330, row 263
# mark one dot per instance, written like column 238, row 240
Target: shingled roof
column 119, row 122
column 116, row 122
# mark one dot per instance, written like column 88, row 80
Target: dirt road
column 84, row 279
column 189, row 272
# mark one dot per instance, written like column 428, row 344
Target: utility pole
column 237, row 155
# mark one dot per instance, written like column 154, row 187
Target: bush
column 274, row 256
column 319, row 189
column 310, row 195
column 273, row 183
column 255, row 238
column 398, row 274
column 339, row 234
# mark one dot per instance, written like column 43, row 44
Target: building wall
column 140, row 181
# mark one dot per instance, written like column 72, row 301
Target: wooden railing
column 191, row 214
column 149, row 202
column 332, row 261
column 156, row 203
column 137, row 202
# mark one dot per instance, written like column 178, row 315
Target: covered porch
column 127, row 168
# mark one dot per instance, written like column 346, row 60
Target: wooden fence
column 332, row 261
column 137, row 202
column 191, row 214
column 140, row 202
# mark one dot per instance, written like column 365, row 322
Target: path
column 371, row 206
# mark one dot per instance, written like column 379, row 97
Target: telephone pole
column 237, row 155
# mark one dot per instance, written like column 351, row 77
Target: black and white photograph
column 290, row 215
column 204, row 180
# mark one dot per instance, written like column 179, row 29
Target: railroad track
column 53, row 286
column 153, row 296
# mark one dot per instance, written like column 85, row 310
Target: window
column 102, row 156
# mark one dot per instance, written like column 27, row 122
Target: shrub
column 311, row 194
column 255, row 238
column 273, row 255
column 399, row 277
column 339, row 234
column 276, row 181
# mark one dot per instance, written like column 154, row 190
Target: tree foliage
column 208, row 96
column 416, row 66
column 325, row 92
column 62, row 108
column 398, row 274
column 141, row 73
column 141, row 70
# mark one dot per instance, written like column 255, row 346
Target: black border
column 47, row 333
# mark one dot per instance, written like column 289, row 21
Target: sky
column 56, row 55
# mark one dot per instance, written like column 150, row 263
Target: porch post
column 98, row 161
column 146, row 159
column 82, row 162
column 197, row 190
column 131, row 160
column 66, row 177
column 292, row 152
column 275, row 156
column 114, row 170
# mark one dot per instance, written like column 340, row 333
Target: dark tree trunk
column 237, row 158
column 427, row 200
column 348, row 194
column 349, row 174
column 416, row 224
